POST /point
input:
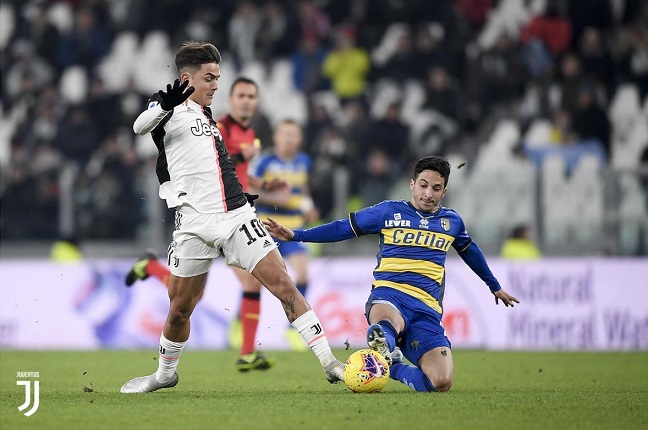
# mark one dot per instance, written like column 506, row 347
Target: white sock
column 309, row 327
column 169, row 357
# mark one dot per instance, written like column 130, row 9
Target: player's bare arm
column 278, row 231
column 505, row 297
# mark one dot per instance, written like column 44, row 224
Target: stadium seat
column 73, row 85
column 116, row 69
column 154, row 63
column 389, row 43
column 633, row 214
column 7, row 25
column 539, row 134
column 61, row 16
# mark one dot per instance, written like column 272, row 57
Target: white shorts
column 199, row 238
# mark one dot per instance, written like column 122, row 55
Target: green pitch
column 80, row 390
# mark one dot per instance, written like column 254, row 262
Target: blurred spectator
column 377, row 177
column 278, row 32
column 570, row 83
column 431, row 51
column 595, row 61
column 633, row 50
column 77, row 138
column 242, row 32
column 520, row 245
column 391, row 136
column 545, row 38
column 313, row 21
column 561, row 131
column 500, row 73
column 87, row 42
column 27, row 73
column 66, row 250
column 475, row 11
column 592, row 13
column 307, row 63
column 104, row 109
column 347, row 66
column 44, row 36
column 403, row 64
column 590, row 120
column 441, row 95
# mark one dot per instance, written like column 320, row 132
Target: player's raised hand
column 278, row 231
column 505, row 297
column 175, row 94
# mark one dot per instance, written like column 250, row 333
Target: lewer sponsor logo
column 398, row 221
column 27, row 380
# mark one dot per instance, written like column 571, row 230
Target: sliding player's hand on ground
column 175, row 95
column 505, row 297
column 278, row 231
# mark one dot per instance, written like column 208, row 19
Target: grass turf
column 492, row 390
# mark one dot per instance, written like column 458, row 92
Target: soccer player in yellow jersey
column 405, row 306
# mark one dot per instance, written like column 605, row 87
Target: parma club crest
column 445, row 224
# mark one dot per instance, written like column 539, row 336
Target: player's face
column 287, row 139
column 243, row 102
column 428, row 190
column 205, row 81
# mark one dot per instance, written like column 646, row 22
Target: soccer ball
column 366, row 371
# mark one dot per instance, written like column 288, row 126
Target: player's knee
column 179, row 315
column 442, row 383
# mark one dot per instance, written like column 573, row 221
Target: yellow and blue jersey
column 413, row 247
column 295, row 172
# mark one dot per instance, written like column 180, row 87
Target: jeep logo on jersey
column 202, row 128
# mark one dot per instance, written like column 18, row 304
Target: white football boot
column 377, row 340
column 334, row 371
column 147, row 384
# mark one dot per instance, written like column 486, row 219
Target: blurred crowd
column 469, row 63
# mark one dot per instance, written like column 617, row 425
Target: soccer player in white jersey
column 405, row 305
column 213, row 215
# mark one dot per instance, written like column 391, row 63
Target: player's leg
column 424, row 342
column 148, row 265
column 438, row 366
column 190, row 257
column 184, row 294
column 386, row 321
column 272, row 273
column 297, row 257
column 250, row 246
column 249, row 313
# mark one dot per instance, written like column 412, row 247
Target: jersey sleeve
column 153, row 118
column 369, row 220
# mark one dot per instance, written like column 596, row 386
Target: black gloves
column 251, row 198
column 176, row 95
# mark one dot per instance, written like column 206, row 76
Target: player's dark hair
column 290, row 121
column 434, row 163
column 192, row 55
column 243, row 80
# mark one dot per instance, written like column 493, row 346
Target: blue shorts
column 423, row 329
column 289, row 248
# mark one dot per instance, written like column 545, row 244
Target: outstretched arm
column 474, row 258
column 332, row 232
column 167, row 100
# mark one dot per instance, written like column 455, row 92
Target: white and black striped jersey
column 193, row 165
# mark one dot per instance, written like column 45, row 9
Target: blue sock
column 411, row 376
column 390, row 333
column 302, row 288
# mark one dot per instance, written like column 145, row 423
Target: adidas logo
column 267, row 243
